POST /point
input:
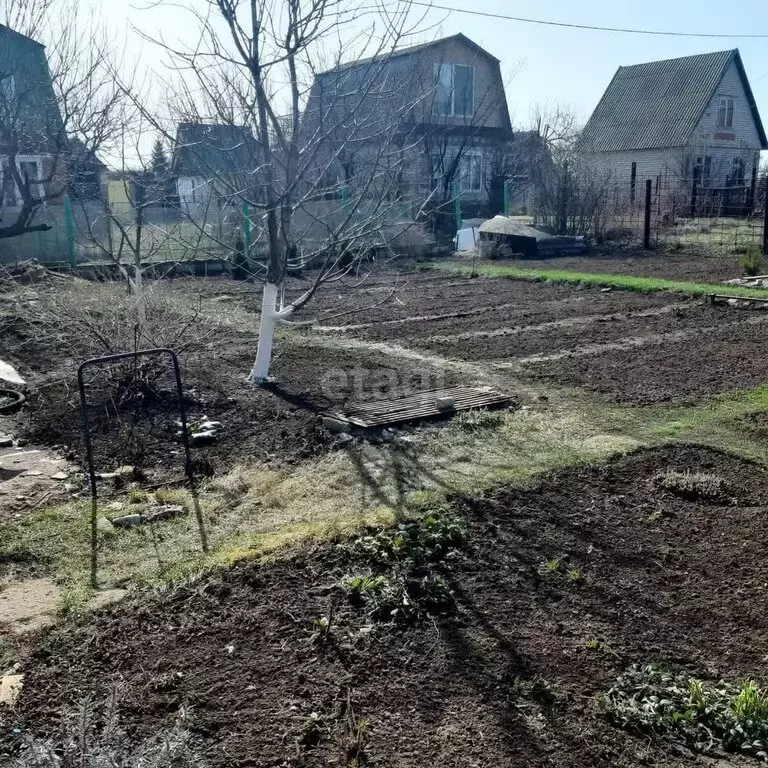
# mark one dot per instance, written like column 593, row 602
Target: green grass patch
column 621, row 282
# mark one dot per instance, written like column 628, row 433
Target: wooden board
column 422, row 405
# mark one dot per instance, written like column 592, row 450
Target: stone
column 6, row 441
column 166, row 512
column 203, row 438
column 334, row 425
column 345, row 438
column 104, row 525
column 60, row 476
column 10, row 688
column 127, row 521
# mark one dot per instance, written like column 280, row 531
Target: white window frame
column 726, row 106
column 452, row 111
column 465, row 171
column 38, row 188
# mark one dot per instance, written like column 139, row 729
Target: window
column 455, row 90
column 31, row 173
column 725, row 113
column 7, row 92
column 30, row 168
column 702, row 171
column 738, row 177
column 472, row 172
column 8, row 187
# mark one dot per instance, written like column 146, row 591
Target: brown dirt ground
column 506, row 680
column 281, row 425
column 717, row 360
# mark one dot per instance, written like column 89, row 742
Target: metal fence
column 671, row 213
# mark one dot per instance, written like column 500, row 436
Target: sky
column 542, row 64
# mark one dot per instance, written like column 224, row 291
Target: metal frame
column 99, row 361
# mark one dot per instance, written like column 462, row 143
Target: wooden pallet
column 422, row 405
column 724, row 298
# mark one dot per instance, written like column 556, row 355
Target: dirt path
column 30, row 477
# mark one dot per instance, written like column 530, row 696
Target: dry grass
column 691, row 485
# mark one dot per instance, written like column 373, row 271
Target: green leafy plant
column 137, row 496
column 705, row 714
column 312, row 729
column 575, row 575
column 551, row 566
column 753, row 262
column 398, row 598
column 428, row 539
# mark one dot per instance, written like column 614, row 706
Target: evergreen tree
column 159, row 161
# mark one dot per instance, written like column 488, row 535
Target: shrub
column 753, row 263
column 652, row 699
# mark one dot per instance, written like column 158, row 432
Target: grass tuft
column 691, row 485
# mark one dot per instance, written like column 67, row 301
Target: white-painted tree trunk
column 269, row 319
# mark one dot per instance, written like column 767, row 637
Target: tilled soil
column 714, row 360
column 573, row 333
column 509, row 678
column 279, row 423
column 510, row 309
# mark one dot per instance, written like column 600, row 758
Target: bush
column 753, row 263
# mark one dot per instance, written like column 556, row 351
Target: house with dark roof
column 32, row 133
column 440, row 106
column 214, row 164
column 690, row 125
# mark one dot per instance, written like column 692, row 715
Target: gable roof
column 19, row 36
column 409, row 51
column 202, row 149
column 659, row 104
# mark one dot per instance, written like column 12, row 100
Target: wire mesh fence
column 662, row 213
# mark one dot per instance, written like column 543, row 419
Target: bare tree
column 56, row 85
column 321, row 184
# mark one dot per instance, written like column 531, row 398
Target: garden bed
column 556, row 592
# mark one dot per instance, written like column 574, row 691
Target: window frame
column 451, row 101
column 37, row 187
column 465, row 171
column 726, row 106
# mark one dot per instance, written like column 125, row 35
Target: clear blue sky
column 547, row 64
column 574, row 66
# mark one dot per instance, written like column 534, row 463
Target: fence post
column 765, row 219
column 506, row 197
column 647, row 228
column 69, row 226
column 246, row 230
column 694, row 195
column 457, row 204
